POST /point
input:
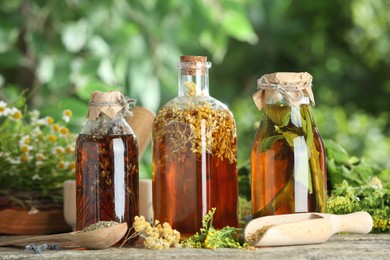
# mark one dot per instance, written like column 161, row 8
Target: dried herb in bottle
column 288, row 157
column 194, row 155
column 106, row 163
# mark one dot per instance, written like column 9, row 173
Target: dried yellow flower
column 196, row 126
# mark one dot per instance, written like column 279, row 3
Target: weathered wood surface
column 372, row 246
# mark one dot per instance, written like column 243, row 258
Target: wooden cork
column 193, row 67
column 193, row 59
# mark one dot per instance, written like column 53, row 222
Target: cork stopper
column 193, row 59
column 109, row 103
column 192, row 65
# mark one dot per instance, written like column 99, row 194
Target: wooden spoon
column 96, row 239
column 304, row 228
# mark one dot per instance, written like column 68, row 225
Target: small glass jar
column 288, row 157
column 194, row 155
column 106, row 163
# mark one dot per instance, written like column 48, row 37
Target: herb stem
column 281, row 197
column 314, row 158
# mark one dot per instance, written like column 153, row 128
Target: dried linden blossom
column 156, row 237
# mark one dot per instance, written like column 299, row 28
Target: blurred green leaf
column 84, row 92
column 238, row 26
column 11, row 58
column 74, row 35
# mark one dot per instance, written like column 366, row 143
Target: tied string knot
column 110, row 103
column 293, row 92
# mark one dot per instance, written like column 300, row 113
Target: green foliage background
column 60, row 51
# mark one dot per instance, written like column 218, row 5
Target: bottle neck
column 272, row 97
column 193, row 79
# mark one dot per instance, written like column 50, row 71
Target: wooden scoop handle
column 358, row 222
column 56, row 237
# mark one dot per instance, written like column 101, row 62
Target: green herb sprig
column 211, row 238
column 371, row 197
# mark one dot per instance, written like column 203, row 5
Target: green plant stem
column 317, row 180
column 316, row 173
column 280, row 198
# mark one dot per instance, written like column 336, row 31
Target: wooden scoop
column 304, row 228
column 142, row 123
column 96, row 239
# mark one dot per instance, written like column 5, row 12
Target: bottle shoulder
column 193, row 102
column 107, row 126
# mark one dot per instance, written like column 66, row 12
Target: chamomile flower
column 41, row 122
column 58, row 150
column 25, row 157
column 33, row 148
column 55, row 127
column 53, row 138
column 49, row 120
column 4, row 110
column 36, row 177
column 36, row 131
column 62, row 165
column 69, row 149
column 40, row 158
column 25, row 148
column 64, row 131
column 34, row 115
column 24, row 140
column 66, row 115
column 71, row 166
column 13, row 160
column 15, row 114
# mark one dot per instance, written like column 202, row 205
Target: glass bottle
column 288, row 157
column 194, row 154
column 106, row 163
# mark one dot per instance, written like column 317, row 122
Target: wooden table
column 346, row 246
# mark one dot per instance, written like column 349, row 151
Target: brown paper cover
column 109, row 103
column 288, row 85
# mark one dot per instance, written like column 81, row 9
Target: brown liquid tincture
column 194, row 155
column 106, row 164
column 288, row 156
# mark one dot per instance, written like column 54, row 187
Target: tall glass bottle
column 106, row 163
column 194, row 154
column 288, row 158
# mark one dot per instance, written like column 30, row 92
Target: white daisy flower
column 13, row 161
column 36, row 131
column 25, row 157
column 58, row 150
column 26, row 148
column 24, row 140
column 66, row 115
column 36, row 177
column 4, row 110
column 16, row 114
column 62, row 165
column 41, row 122
column 34, row 115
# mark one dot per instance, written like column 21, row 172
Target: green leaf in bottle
column 289, row 136
column 279, row 115
column 267, row 142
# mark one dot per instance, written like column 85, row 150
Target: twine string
column 285, row 89
column 126, row 103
